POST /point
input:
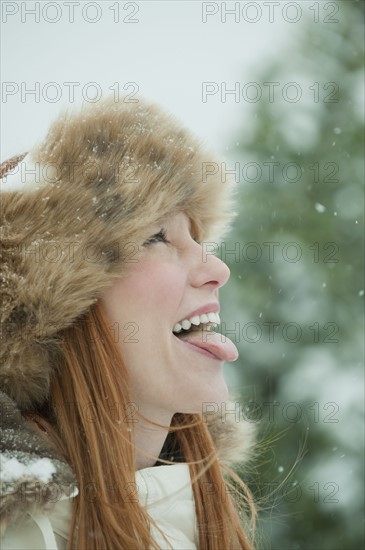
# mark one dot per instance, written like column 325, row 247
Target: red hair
column 90, row 373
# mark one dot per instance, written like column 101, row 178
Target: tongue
column 218, row 344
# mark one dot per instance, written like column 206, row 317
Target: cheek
column 152, row 291
column 159, row 286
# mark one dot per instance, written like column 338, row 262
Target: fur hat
column 74, row 212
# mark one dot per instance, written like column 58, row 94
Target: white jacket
column 174, row 514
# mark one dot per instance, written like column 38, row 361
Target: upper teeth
column 197, row 320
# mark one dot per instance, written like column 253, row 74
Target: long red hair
column 88, row 422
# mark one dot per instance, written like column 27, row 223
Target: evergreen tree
column 296, row 296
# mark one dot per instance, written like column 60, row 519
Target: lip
column 213, row 307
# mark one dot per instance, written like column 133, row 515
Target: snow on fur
column 12, row 470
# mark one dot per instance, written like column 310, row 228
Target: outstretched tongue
column 219, row 345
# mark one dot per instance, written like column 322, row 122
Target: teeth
column 204, row 318
column 212, row 317
column 197, row 320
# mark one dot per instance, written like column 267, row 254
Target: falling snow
column 320, row 207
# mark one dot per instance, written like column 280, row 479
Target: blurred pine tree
column 296, row 289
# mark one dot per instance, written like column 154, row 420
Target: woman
column 112, row 387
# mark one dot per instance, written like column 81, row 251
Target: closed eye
column 158, row 237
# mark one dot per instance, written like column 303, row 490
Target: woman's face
column 168, row 283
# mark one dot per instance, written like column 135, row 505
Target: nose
column 208, row 269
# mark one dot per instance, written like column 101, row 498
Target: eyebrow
column 191, row 225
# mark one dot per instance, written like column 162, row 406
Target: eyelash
column 158, row 237
column 161, row 236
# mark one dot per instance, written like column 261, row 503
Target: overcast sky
column 164, row 51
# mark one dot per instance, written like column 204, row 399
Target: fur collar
column 34, row 478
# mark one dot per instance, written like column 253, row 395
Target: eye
column 159, row 237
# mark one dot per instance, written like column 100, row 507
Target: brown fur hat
column 100, row 177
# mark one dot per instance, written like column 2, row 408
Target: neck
column 149, row 439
